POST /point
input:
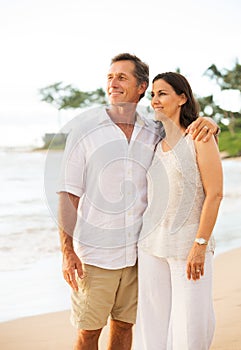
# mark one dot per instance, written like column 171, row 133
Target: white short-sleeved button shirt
column 109, row 174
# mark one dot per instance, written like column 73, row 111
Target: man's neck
column 124, row 113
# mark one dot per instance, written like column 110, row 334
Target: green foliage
column 54, row 141
column 52, row 94
column 207, row 103
column 226, row 78
column 231, row 144
column 67, row 96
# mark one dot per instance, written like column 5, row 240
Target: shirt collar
column 104, row 118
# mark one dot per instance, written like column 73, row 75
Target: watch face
column 201, row 241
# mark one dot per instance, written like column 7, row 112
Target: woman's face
column 165, row 100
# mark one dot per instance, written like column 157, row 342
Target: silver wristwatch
column 201, row 241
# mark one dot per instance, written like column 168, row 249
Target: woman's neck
column 174, row 131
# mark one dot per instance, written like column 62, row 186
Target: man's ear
column 143, row 87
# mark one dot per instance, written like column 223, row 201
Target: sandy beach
column 54, row 331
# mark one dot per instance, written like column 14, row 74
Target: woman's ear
column 183, row 99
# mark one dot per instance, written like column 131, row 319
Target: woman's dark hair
column 141, row 72
column 190, row 109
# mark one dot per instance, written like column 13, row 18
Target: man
column 102, row 197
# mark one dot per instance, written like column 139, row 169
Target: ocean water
column 30, row 259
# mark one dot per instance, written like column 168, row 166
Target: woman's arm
column 210, row 167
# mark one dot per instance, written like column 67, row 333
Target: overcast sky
column 45, row 41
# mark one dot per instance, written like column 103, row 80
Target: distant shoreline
column 224, row 155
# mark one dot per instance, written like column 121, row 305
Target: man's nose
column 113, row 81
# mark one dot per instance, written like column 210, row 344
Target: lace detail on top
column 175, row 200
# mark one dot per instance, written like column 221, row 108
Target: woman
column 176, row 246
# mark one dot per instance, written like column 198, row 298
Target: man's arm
column 203, row 128
column 68, row 206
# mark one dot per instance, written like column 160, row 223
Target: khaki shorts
column 103, row 293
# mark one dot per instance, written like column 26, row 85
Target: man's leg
column 92, row 304
column 112, row 292
column 87, row 340
column 120, row 335
column 123, row 314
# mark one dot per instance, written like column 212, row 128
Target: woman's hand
column 195, row 262
column 202, row 128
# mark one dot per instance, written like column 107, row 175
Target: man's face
column 122, row 84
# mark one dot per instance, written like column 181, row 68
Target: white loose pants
column 174, row 313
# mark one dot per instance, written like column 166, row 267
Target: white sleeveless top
column 175, row 200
